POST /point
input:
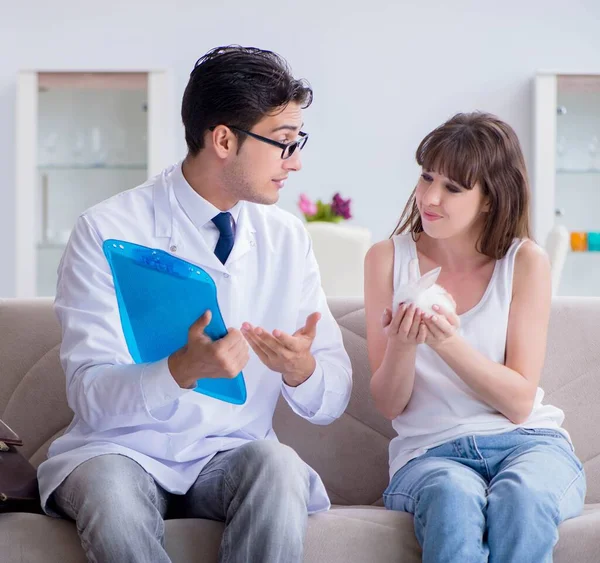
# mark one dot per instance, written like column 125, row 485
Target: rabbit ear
column 429, row 278
column 413, row 270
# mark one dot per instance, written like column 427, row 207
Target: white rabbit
column 423, row 291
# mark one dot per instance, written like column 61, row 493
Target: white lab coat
column 270, row 279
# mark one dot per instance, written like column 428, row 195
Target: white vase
column 340, row 252
column 557, row 247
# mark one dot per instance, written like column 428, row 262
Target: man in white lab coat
column 142, row 440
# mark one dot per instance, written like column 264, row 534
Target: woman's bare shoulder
column 532, row 266
column 381, row 252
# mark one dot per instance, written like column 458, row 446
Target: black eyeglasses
column 287, row 150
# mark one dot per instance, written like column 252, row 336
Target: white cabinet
column 340, row 253
column 566, row 172
column 81, row 137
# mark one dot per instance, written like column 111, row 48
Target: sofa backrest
column 351, row 454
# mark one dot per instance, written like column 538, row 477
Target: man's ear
column 223, row 141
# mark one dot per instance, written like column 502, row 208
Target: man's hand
column 285, row 354
column 202, row 357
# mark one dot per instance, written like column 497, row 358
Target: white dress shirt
column 270, row 279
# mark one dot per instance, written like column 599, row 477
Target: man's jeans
column 497, row 498
column 260, row 490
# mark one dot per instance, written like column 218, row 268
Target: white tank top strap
column 507, row 266
column 403, row 254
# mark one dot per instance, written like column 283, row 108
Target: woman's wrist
column 397, row 350
column 447, row 344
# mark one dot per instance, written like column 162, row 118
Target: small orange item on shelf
column 579, row 241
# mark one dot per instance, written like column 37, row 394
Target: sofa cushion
column 43, row 386
column 340, row 535
column 580, row 538
column 571, row 378
column 29, row 330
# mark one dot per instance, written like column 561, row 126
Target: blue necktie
column 225, row 243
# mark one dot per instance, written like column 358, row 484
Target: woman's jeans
column 497, row 498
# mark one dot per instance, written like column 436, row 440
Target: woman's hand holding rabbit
column 442, row 327
column 405, row 327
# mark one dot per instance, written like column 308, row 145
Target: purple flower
column 341, row 206
column 307, row 206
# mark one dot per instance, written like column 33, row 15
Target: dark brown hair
column 479, row 148
column 237, row 86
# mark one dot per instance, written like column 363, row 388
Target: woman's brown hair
column 471, row 148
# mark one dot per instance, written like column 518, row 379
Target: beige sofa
column 351, row 454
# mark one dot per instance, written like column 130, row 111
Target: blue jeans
column 497, row 498
column 260, row 490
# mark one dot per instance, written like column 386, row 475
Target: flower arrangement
column 334, row 212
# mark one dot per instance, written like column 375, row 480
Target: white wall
column 384, row 74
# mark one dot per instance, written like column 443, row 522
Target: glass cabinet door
column 92, row 143
column 577, row 181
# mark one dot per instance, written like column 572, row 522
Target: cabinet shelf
column 565, row 171
column 82, row 137
column 566, row 174
column 50, row 167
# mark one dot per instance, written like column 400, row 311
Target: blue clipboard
column 159, row 297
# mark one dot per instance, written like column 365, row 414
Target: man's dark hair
column 237, row 86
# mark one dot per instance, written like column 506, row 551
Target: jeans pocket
column 564, row 443
column 541, row 432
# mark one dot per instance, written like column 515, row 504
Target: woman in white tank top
column 482, row 464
